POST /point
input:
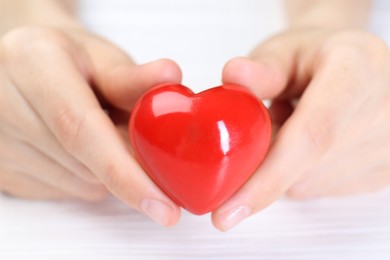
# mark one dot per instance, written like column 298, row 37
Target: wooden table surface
column 350, row 228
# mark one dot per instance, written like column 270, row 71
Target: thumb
column 275, row 69
column 119, row 81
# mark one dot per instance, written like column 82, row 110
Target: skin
column 328, row 80
column 56, row 141
column 335, row 140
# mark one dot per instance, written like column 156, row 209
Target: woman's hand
column 336, row 140
column 65, row 100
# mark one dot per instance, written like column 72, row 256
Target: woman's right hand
column 65, row 100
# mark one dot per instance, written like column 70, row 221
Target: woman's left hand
column 336, row 140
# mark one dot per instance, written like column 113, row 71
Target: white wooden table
column 349, row 228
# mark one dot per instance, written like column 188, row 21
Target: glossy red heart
column 199, row 148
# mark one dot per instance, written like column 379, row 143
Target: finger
column 364, row 165
column 61, row 96
column 45, row 142
column 24, row 124
column 332, row 185
column 17, row 184
column 348, row 180
column 265, row 80
column 278, row 67
column 24, row 158
column 119, row 81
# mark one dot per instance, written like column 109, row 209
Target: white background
column 201, row 36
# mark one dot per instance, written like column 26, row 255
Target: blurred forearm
column 328, row 13
column 56, row 13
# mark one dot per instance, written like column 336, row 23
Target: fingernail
column 157, row 210
column 234, row 216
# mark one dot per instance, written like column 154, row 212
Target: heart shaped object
column 199, row 148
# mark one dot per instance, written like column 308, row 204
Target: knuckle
column 127, row 189
column 358, row 48
column 111, row 175
column 317, row 129
column 304, row 188
column 67, row 124
column 8, row 185
column 299, row 192
column 28, row 40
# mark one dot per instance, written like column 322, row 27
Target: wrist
column 335, row 14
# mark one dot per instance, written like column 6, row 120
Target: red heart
column 199, row 148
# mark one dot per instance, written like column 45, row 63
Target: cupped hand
column 65, row 100
column 330, row 94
